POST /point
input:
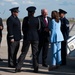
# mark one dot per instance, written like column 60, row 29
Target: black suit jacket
column 44, row 35
column 30, row 28
column 14, row 28
column 1, row 24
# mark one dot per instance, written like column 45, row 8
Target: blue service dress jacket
column 30, row 28
column 14, row 28
column 56, row 34
column 65, row 28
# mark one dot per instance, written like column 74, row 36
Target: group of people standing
column 39, row 32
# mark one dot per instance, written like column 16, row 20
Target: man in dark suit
column 44, row 21
column 65, row 32
column 30, row 32
column 13, row 36
column 1, row 28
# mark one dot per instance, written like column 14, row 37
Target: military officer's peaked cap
column 62, row 11
column 31, row 9
column 15, row 9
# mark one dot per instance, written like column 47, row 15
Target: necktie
column 45, row 21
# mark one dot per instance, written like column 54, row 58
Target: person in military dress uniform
column 1, row 28
column 65, row 32
column 13, row 36
column 30, row 32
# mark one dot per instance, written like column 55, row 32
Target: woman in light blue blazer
column 55, row 40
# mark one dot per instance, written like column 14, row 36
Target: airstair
column 71, row 43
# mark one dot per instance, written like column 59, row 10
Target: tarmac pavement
column 27, row 69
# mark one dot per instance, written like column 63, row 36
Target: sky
column 50, row 5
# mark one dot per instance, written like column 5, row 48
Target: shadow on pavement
column 69, row 69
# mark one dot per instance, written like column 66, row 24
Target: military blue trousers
column 55, row 54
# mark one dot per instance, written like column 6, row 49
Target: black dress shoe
column 1, row 59
column 62, row 64
column 11, row 66
column 45, row 65
column 35, row 71
column 17, row 70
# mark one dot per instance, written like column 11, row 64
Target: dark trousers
column 0, row 39
column 63, row 52
column 12, row 52
column 25, row 47
column 43, row 45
